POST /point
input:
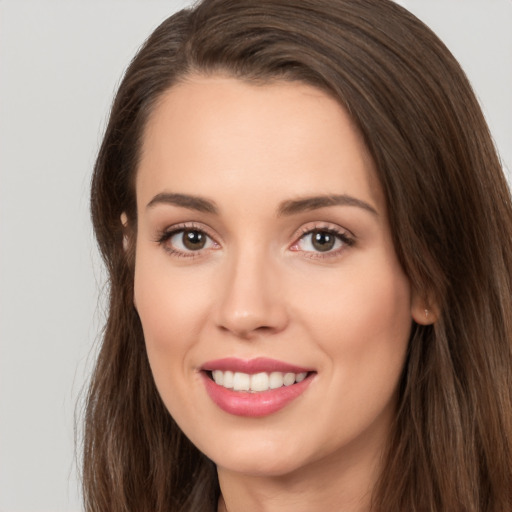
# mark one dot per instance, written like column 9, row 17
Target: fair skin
column 250, row 270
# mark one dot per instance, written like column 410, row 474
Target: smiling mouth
column 257, row 382
column 255, row 387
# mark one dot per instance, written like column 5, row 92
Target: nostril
column 249, row 333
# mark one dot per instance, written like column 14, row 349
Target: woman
column 307, row 233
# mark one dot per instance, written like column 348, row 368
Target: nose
column 252, row 300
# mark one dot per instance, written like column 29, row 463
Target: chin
column 271, row 456
column 259, row 465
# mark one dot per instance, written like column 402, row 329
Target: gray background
column 59, row 66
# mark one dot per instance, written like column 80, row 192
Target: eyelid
column 167, row 233
column 347, row 237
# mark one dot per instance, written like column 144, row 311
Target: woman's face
column 264, row 257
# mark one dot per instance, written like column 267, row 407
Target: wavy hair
column 451, row 219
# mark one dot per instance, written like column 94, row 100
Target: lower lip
column 262, row 403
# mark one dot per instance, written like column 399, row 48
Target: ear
column 423, row 310
column 126, row 242
column 124, row 222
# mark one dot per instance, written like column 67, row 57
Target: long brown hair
column 450, row 214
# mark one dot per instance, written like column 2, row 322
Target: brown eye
column 322, row 241
column 193, row 240
column 187, row 241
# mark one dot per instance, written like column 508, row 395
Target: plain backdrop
column 60, row 63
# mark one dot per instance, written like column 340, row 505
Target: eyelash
column 166, row 235
column 340, row 235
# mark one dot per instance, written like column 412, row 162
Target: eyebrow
column 185, row 201
column 295, row 206
column 286, row 208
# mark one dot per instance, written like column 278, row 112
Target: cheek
column 368, row 298
column 380, row 304
column 362, row 319
column 170, row 308
column 171, row 312
column 166, row 297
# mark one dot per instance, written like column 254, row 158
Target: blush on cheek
column 366, row 323
column 153, row 310
column 384, row 301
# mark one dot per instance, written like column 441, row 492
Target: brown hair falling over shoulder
column 450, row 214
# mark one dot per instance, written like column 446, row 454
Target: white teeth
column 218, row 377
column 262, row 381
column 289, row 379
column 241, row 381
column 300, row 377
column 259, row 382
column 276, row 380
column 227, row 380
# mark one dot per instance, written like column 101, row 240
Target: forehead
column 215, row 134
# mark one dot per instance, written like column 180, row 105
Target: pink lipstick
column 254, row 388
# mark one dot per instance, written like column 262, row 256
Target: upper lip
column 257, row 365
